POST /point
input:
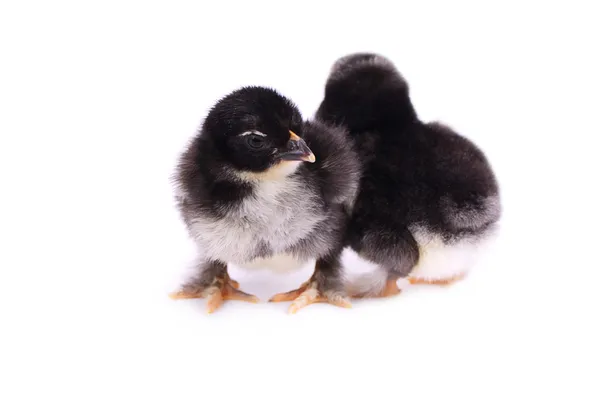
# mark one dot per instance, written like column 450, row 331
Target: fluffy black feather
column 421, row 181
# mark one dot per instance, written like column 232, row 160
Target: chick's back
column 420, row 181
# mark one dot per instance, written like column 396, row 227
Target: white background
column 98, row 98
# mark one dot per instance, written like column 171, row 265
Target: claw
column 215, row 295
column 340, row 301
column 311, row 295
column 214, row 300
column 232, row 293
column 290, row 295
column 308, row 294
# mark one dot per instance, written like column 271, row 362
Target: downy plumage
column 428, row 198
column 260, row 187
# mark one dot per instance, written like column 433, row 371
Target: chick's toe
column 309, row 293
column 441, row 281
column 290, row 295
column 222, row 288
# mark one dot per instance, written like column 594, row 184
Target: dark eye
column 256, row 141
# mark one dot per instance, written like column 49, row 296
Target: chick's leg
column 215, row 285
column 325, row 285
column 390, row 289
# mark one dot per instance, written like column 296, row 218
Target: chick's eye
column 255, row 141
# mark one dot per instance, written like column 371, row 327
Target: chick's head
column 257, row 131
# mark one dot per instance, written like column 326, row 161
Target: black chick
column 428, row 199
column 261, row 188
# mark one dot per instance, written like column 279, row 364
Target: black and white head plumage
column 428, row 195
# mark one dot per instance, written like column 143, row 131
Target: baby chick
column 428, row 198
column 261, row 188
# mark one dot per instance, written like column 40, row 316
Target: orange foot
column 443, row 281
column 390, row 289
column 221, row 289
column 307, row 294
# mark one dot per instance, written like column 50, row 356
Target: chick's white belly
column 251, row 245
column 439, row 260
column 264, row 230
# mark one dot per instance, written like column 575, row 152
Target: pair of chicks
column 261, row 187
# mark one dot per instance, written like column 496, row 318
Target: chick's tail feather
column 368, row 284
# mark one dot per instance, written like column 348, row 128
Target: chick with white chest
column 258, row 232
column 251, row 193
